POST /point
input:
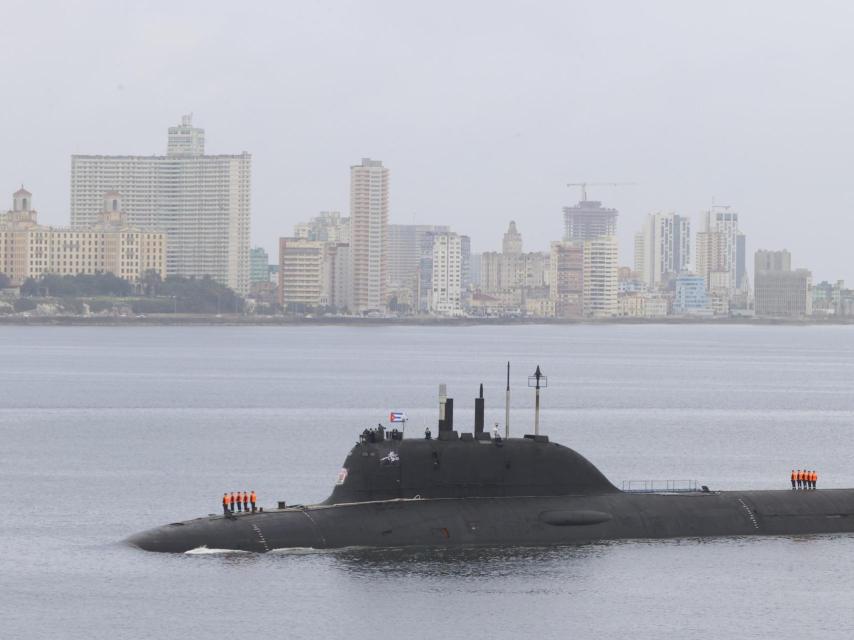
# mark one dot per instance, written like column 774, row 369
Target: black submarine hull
column 516, row 520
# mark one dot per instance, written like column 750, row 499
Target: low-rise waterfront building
column 689, row 296
column 642, row 305
column 109, row 245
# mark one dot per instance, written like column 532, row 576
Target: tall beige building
column 200, row 201
column 109, row 245
column 721, row 252
column 313, row 274
column 369, row 234
column 566, row 280
column 600, row 277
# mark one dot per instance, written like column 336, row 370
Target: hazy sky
column 483, row 111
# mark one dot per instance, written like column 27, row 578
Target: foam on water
column 204, row 551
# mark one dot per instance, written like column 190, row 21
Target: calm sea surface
column 107, row 431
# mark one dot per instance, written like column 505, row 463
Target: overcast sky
column 483, row 111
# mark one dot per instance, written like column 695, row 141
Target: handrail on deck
column 661, row 486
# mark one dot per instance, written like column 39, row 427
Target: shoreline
column 240, row 320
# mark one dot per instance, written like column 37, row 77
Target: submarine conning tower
column 384, row 465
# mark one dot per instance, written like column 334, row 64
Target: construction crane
column 584, row 186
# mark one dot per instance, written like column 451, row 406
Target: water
column 107, row 431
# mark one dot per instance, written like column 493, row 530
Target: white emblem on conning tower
column 391, row 458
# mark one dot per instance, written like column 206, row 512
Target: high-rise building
column 475, row 270
column 339, row 265
column 313, row 274
column 662, row 248
column 588, row 220
column 446, row 283
column 512, row 243
column 721, row 250
column 200, row 201
column 301, row 277
column 594, row 227
column 779, row 291
column 404, row 252
column 369, row 234
column 109, row 245
column 465, row 263
column 600, row 277
column 259, row 265
column 741, row 279
column 566, row 279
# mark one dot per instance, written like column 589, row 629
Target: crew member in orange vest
column 226, row 503
column 252, row 500
column 794, row 478
column 814, row 478
column 802, row 479
column 245, row 498
column 235, row 503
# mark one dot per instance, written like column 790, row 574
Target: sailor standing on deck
column 794, row 478
column 226, row 502
column 246, row 502
column 800, row 478
column 252, row 499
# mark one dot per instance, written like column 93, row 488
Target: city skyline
column 690, row 124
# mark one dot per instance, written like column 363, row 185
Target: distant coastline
column 250, row 320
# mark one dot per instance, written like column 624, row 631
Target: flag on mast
column 397, row 416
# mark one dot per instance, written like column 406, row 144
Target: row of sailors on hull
column 802, row 479
column 240, row 501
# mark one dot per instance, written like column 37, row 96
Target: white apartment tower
column 446, row 286
column 201, row 202
column 662, row 248
column 369, row 234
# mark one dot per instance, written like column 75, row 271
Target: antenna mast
column 507, row 405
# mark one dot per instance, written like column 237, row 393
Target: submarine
column 481, row 489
